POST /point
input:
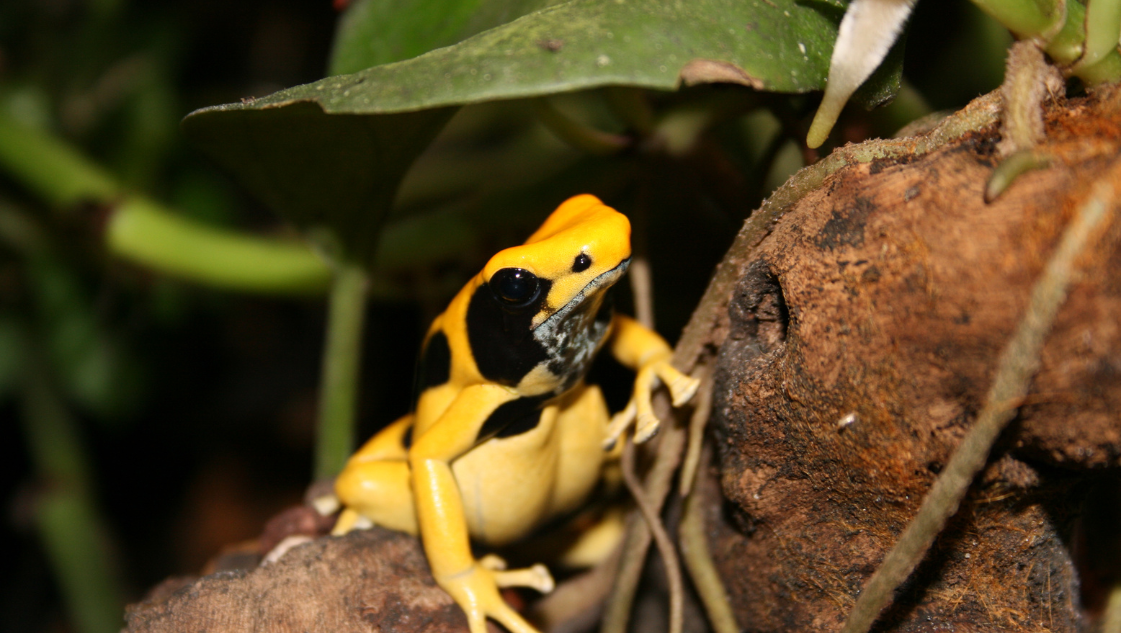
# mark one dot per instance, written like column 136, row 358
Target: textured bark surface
column 370, row 580
column 863, row 338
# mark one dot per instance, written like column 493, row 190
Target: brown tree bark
column 370, row 580
column 863, row 336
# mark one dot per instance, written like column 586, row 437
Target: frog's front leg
column 472, row 584
column 649, row 355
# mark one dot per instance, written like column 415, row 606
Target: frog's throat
column 601, row 282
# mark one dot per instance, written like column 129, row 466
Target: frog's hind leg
column 379, row 492
column 597, row 541
column 375, row 487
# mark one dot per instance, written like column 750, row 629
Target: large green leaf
column 332, row 153
column 777, row 45
column 375, row 32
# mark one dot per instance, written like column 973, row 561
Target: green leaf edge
column 394, row 88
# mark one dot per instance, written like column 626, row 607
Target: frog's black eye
column 515, row 287
column 582, row 263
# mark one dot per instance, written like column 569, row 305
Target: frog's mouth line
column 603, row 280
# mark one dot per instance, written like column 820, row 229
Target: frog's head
column 536, row 314
column 578, row 253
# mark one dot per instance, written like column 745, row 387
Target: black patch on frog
column 435, row 367
column 500, row 337
column 407, row 438
column 512, row 418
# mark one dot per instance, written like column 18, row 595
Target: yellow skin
column 505, row 433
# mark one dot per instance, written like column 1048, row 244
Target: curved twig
column 661, row 539
column 577, row 134
column 697, row 424
column 657, row 484
column 641, row 286
column 698, row 560
column 1111, row 619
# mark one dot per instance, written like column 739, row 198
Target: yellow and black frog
column 505, row 434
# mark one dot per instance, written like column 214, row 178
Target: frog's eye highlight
column 516, row 287
column 582, row 263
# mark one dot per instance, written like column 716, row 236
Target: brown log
column 863, row 337
column 370, row 580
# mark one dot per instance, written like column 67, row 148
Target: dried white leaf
column 867, row 32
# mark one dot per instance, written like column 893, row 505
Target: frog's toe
column 647, row 426
column 492, row 562
column 619, row 423
column 349, row 520
column 647, row 423
column 326, row 505
column 476, row 591
column 536, row 577
column 681, row 387
column 477, row 622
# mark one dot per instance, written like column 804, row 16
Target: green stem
column 338, row 390
column 1105, row 71
column 51, row 168
column 1103, row 30
column 1065, row 47
column 145, row 233
column 72, row 531
column 1024, row 18
column 578, row 135
column 1088, row 41
column 1011, row 168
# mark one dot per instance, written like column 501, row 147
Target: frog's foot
column 640, row 409
column 619, row 424
column 350, row 520
column 681, row 387
column 536, row 577
column 475, row 590
column 327, row 504
column 595, row 543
